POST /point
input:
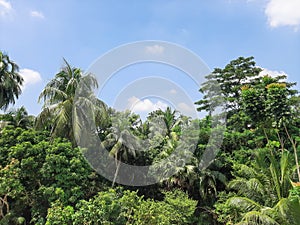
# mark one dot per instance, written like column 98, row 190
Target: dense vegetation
column 254, row 178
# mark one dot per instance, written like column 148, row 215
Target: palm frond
column 257, row 218
column 244, row 204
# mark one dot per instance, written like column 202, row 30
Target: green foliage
column 10, row 187
column 262, row 191
column 103, row 209
column 59, row 215
column 176, row 208
column 268, row 101
column 125, row 207
column 36, row 172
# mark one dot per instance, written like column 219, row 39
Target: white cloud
column 37, row 14
column 272, row 73
column 5, row 7
column 137, row 105
column 283, row 13
column 155, row 49
column 30, row 77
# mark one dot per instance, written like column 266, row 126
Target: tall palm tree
column 174, row 158
column 10, row 81
column 58, row 96
column 168, row 120
column 164, row 128
column 120, row 140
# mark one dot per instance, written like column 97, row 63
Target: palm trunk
column 295, row 152
column 116, row 172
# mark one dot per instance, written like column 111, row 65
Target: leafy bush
column 125, row 207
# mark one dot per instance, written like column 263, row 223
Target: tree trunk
column 295, row 152
column 117, row 171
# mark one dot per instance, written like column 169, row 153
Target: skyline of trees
column 253, row 179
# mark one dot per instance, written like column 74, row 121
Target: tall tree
column 167, row 121
column 237, row 73
column 58, row 96
column 10, row 81
column 120, row 141
column 268, row 100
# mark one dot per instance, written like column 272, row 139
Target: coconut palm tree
column 168, row 120
column 58, row 96
column 120, row 141
column 10, row 81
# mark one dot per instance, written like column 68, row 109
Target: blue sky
column 38, row 34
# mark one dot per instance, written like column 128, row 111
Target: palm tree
column 168, row 120
column 263, row 191
column 210, row 180
column 18, row 118
column 120, row 140
column 10, row 81
column 58, row 96
column 163, row 132
column 174, row 145
column 285, row 212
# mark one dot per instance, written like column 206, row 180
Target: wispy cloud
column 37, row 14
column 155, row 49
column 283, row 13
column 5, row 7
column 30, row 77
